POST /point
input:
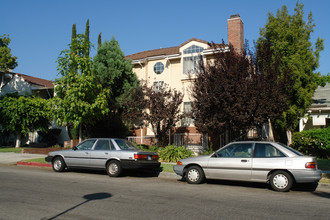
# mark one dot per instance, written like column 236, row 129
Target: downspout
column 170, row 73
column 141, row 127
column 170, row 70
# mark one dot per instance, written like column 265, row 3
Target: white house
column 318, row 115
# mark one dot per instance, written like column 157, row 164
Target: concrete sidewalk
column 12, row 158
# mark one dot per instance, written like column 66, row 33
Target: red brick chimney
column 235, row 32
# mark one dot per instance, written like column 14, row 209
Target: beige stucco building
column 176, row 66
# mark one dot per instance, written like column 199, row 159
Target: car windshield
column 290, row 149
column 126, row 145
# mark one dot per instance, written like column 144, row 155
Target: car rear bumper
column 178, row 169
column 306, row 176
column 133, row 164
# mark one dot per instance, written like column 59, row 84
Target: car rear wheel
column 195, row 175
column 281, row 181
column 114, row 168
column 58, row 164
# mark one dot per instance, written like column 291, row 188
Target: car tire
column 58, row 164
column 281, row 181
column 114, row 168
column 195, row 175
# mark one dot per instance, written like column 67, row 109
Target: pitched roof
column 321, row 97
column 36, row 81
column 162, row 51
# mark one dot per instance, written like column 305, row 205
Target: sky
column 40, row 30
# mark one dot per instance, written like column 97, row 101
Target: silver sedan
column 268, row 162
column 112, row 154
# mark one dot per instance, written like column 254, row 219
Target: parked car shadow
column 131, row 173
column 310, row 187
column 238, row 184
column 322, row 194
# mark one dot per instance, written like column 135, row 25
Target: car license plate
column 149, row 157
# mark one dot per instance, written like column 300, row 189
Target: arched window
column 193, row 49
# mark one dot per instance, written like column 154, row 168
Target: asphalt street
column 40, row 193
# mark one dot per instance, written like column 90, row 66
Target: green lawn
column 36, row 160
column 167, row 167
column 12, row 149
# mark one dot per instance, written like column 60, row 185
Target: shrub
column 144, row 147
column 314, row 142
column 174, row 153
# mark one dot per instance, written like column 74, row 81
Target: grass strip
column 12, row 149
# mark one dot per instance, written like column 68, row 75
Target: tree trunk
column 18, row 140
column 270, row 131
column 80, row 133
column 289, row 136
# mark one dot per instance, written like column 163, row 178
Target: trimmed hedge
column 315, row 142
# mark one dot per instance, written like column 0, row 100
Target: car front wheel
column 195, row 175
column 114, row 168
column 58, row 164
column 281, row 181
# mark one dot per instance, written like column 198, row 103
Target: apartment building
column 176, row 66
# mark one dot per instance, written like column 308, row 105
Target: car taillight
column 140, row 156
column 311, row 165
column 155, row 157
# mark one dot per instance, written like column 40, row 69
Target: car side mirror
column 75, row 148
column 215, row 154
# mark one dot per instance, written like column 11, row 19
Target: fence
column 145, row 140
column 193, row 141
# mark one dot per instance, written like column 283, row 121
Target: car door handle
column 244, row 161
column 106, row 153
column 86, row 152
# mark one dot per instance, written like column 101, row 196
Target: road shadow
column 131, row 173
column 239, row 184
column 88, row 198
column 306, row 187
column 322, row 194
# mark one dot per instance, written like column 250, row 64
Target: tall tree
column 23, row 114
column 7, row 61
column 73, row 50
column 289, row 35
column 232, row 94
column 87, row 42
column 99, row 41
column 79, row 98
column 74, row 33
column 160, row 108
column 114, row 72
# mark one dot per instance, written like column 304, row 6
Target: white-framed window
column 187, row 121
column 191, row 64
column 158, row 85
column 159, row 68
